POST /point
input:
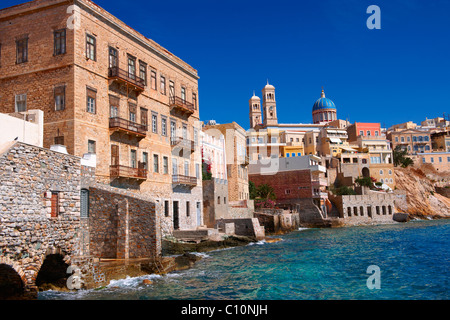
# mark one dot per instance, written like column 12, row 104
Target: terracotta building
column 107, row 89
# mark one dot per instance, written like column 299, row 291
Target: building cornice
column 128, row 31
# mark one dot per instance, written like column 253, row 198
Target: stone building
column 109, row 90
column 299, row 184
column 411, row 140
column 55, row 216
column 374, row 207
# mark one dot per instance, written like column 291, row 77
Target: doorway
column 176, row 218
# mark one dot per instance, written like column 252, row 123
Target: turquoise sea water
column 312, row 264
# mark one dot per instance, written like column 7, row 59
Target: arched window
column 420, row 138
column 414, row 139
column 426, row 138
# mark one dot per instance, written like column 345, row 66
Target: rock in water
column 146, row 281
column 401, row 217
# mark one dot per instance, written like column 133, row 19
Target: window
column 173, row 129
column 426, row 138
column 287, row 191
column 414, row 138
column 164, row 126
column 143, row 71
column 163, row 85
column 113, row 58
column 376, row 133
column 21, row 102
column 165, row 165
column 166, row 208
column 59, row 140
column 197, row 171
column 91, row 95
column 390, row 172
column 396, row 139
column 59, row 46
column 114, row 106
column 144, row 117
column 84, row 203
column 54, row 204
column 91, row 146
column 22, row 50
column 91, row 47
column 423, row 160
column 432, row 159
column 133, row 159
column 287, row 155
column 440, row 159
column 188, row 209
column 154, row 123
column 381, row 172
column 218, row 200
column 153, row 79
column 361, row 133
column 194, row 100
column 448, row 159
column 427, row 148
column 171, row 89
column 402, row 139
column 299, row 154
column 60, row 97
column 131, row 67
column 145, row 160
column 155, row 163
column 183, row 94
column 186, row 168
column 408, row 139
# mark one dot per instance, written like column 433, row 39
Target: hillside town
column 106, row 162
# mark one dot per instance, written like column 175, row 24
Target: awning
column 335, row 140
column 349, row 149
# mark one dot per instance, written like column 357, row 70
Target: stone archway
column 53, row 272
column 12, row 285
column 365, row 172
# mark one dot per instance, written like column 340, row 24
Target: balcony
column 182, row 105
column 115, row 73
column 322, row 195
column 319, row 182
column 118, row 171
column 318, row 168
column 182, row 143
column 184, row 180
column 128, row 127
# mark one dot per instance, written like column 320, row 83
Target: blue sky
column 392, row 75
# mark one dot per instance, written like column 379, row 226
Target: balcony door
column 171, row 90
column 174, row 166
column 176, row 221
column 114, row 155
column 113, row 58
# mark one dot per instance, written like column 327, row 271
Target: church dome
column 323, row 103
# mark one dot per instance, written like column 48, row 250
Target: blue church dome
column 323, row 103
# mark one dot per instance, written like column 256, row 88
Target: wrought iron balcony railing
column 118, row 171
column 183, row 143
column 184, row 180
column 122, row 75
column 120, row 124
column 181, row 104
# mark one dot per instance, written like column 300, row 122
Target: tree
column 252, row 190
column 265, row 191
column 400, row 158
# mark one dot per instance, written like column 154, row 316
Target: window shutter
column 84, row 203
